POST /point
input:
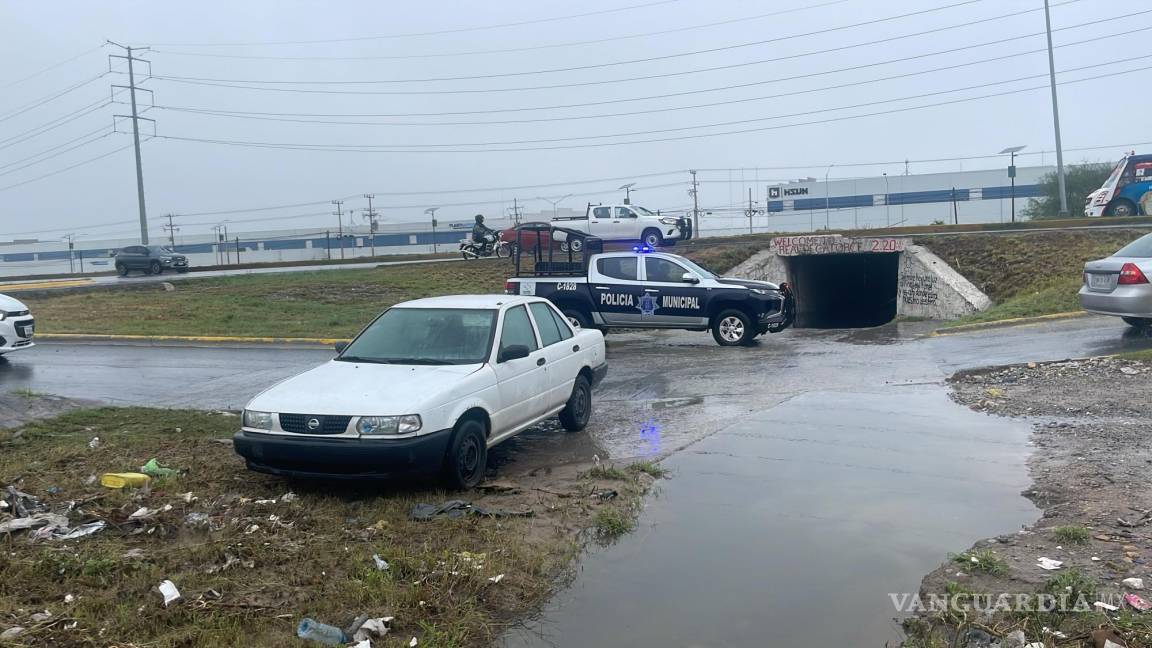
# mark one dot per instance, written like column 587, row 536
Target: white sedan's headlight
column 371, row 425
column 669, row 221
column 258, row 420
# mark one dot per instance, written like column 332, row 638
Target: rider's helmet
column 480, row 219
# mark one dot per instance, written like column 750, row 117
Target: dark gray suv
column 149, row 259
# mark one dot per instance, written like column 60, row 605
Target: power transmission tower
column 372, row 227
column 339, row 224
column 135, row 117
column 172, row 229
column 695, row 205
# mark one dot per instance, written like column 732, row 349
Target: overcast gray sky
column 368, row 66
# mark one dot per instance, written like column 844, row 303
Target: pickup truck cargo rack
column 549, row 255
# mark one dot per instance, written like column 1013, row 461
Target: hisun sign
column 777, row 192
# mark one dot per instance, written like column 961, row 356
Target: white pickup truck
column 627, row 223
column 427, row 387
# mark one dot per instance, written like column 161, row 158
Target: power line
column 1093, row 41
column 597, row 66
column 54, row 124
column 52, row 67
column 67, row 168
column 224, row 83
column 509, row 50
column 681, row 93
column 103, row 131
column 397, row 147
column 43, row 100
column 459, row 30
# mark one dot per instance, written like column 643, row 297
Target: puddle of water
column 792, row 527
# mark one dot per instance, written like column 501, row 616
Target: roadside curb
column 198, row 340
column 1004, row 323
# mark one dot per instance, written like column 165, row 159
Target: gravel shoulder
column 1092, row 478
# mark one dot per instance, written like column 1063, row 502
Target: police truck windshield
column 697, row 269
column 422, row 336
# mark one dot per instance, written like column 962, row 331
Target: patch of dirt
column 16, row 409
column 251, row 561
column 1092, row 474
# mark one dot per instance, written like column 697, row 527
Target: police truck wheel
column 155, row 268
column 577, row 319
column 121, row 269
column 732, row 328
column 574, row 417
column 467, row 456
column 652, row 238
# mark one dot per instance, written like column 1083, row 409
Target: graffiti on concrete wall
column 835, row 244
column 918, row 290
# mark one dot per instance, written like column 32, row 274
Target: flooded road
column 812, row 474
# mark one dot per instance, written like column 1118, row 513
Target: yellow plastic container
column 124, row 480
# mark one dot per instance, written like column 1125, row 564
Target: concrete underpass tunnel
column 844, row 290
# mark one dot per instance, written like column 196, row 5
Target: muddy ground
column 252, row 555
column 1092, row 473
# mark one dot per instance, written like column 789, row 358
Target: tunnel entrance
column 844, row 290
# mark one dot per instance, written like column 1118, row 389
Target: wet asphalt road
column 813, row 473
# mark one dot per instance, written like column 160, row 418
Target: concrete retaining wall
column 926, row 286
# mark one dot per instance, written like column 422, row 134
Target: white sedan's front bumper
column 16, row 334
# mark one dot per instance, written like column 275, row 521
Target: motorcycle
column 493, row 246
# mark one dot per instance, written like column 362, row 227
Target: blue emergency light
column 643, row 249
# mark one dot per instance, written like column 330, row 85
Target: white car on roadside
column 427, row 387
column 16, row 325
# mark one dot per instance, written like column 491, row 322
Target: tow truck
column 642, row 288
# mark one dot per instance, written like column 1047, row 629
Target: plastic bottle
column 321, row 632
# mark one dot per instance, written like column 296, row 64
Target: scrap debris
column 459, row 508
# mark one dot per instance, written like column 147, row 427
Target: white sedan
column 427, row 387
column 16, row 325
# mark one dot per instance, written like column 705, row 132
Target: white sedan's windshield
column 425, row 336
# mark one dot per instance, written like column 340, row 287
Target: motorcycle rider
column 483, row 235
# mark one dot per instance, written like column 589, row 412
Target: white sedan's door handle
column 540, row 362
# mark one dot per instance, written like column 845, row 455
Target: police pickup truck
column 642, row 288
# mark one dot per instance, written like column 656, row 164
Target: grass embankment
column 1028, row 274
column 322, row 304
column 253, row 567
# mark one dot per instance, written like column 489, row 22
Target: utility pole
column 70, row 238
column 515, row 209
column 371, row 214
column 136, row 134
column 237, row 250
column 695, row 205
column 224, row 245
column 340, row 225
column 827, row 198
column 955, row 208
column 328, row 243
column 432, row 212
column 1056, row 116
column 751, row 211
column 172, row 229
column 887, row 203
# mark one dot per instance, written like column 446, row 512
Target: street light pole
column 827, row 200
column 1055, row 116
column 887, row 206
column 554, row 203
column 1012, row 151
column 627, row 192
column 432, row 212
